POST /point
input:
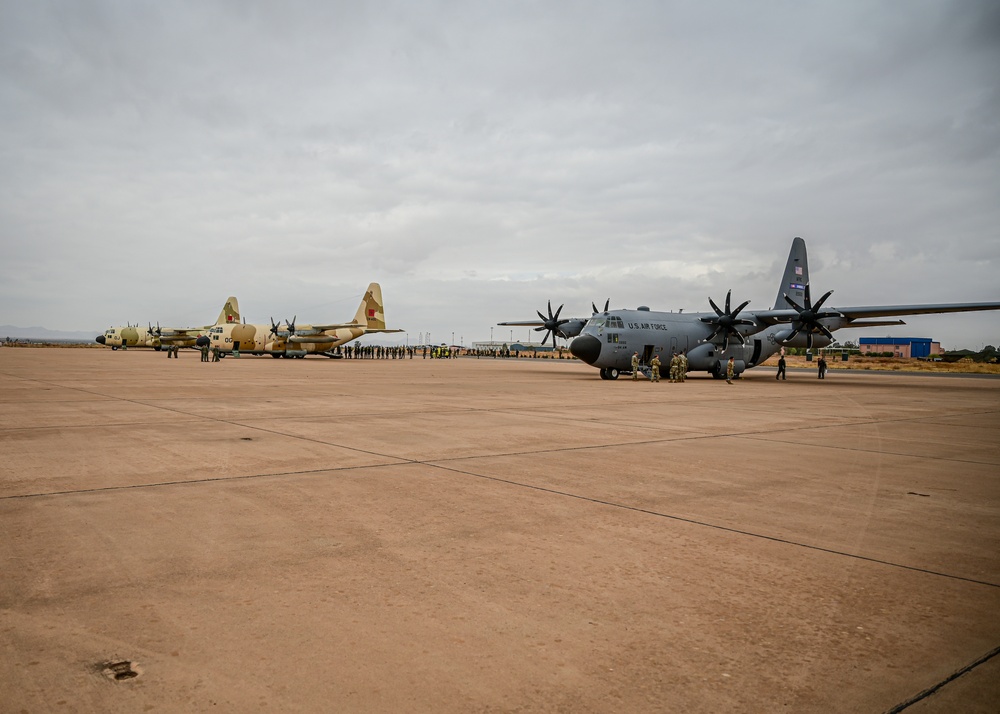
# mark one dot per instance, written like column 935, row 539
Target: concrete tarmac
column 489, row 535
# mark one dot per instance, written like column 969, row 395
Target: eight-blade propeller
column 607, row 303
column 552, row 323
column 809, row 317
column 727, row 321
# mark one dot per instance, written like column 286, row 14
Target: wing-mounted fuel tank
column 797, row 338
column 708, row 357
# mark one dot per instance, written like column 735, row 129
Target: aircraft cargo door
column 647, row 354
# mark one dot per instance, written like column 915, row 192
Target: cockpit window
column 596, row 322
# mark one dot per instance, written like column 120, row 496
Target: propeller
column 274, row 327
column 809, row 317
column 291, row 326
column 552, row 323
column 727, row 321
column 157, row 331
column 607, row 304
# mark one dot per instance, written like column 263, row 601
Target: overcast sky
column 480, row 158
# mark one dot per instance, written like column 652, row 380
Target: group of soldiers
column 215, row 352
column 678, row 367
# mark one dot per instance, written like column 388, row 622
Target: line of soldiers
column 356, row 351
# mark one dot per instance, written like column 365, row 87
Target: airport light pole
column 491, row 337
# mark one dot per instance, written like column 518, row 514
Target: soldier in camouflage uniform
column 683, row 369
column 655, row 364
column 635, row 366
column 730, row 370
column 674, row 366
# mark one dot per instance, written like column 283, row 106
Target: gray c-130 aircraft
column 608, row 340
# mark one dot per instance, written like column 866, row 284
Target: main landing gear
column 609, row 373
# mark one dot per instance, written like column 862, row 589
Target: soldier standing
column 683, row 367
column 675, row 365
column 730, row 370
column 204, row 353
column 215, row 353
column 821, row 364
column 635, row 366
column 655, row 364
column 781, row 368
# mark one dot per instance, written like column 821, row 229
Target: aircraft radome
column 157, row 337
column 609, row 339
column 289, row 340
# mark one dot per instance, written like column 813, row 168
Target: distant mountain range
column 44, row 334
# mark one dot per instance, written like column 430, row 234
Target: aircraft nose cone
column 586, row 347
column 202, row 341
column 100, row 339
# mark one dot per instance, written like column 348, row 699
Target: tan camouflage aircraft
column 289, row 340
column 157, row 337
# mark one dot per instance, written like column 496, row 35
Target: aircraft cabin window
column 613, row 338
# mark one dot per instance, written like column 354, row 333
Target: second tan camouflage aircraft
column 289, row 340
column 157, row 337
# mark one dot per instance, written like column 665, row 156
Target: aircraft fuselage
column 609, row 340
column 260, row 339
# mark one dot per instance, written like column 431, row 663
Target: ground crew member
column 675, row 365
column 204, row 353
column 683, row 370
column 215, row 354
column 821, row 364
column 655, row 364
column 730, row 370
column 781, row 368
column 635, row 366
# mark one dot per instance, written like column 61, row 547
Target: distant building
column 905, row 347
column 519, row 345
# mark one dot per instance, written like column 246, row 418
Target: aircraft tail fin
column 230, row 312
column 371, row 312
column 795, row 277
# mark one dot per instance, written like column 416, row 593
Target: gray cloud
column 481, row 158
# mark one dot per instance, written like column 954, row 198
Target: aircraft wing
column 853, row 313
column 341, row 325
column 181, row 331
column 331, row 326
column 773, row 317
column 526, row 323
